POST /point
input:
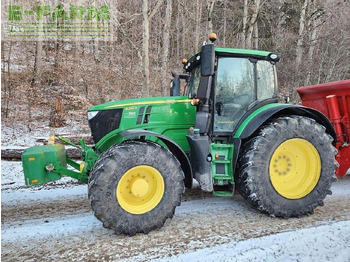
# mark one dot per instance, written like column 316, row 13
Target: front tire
column 287, row 169
column 135, row 186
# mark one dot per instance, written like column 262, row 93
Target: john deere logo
column 58, row 21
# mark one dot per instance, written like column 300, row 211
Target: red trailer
column 333, row 100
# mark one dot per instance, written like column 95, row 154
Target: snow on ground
column 56, row 227
column 323, row 243
column 14, row 190
column 319, row 240
column 19, row 136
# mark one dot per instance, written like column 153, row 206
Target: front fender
column 171, row 145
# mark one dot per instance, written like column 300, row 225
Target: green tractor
column 227, row 131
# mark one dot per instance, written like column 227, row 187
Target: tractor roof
column 243, row 52
column 234, row 52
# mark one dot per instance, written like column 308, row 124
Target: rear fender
column 282, row 110
column 249, row 125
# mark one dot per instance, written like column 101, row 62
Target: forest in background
column 57, row 80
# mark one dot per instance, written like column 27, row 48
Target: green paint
column 35, row 159
column 222, row 161
column 140, row 102
column 223, row 193
column 169, row 116
column 251, row 116
column 247, row 52
column 239, row 52
column 76, row 175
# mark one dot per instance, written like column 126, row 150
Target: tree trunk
column 145, row 43
column 210, row 7
column 56, row 119
column 15, row 154
column 8, row 81
column 256, row 36
column 252, row 23
column 225, row 25
column 166, row 43
column 35, row 82
column 178, row 30
column 244, row 25
column 314, row 24
column 299, row 47
column 145, row 49
column 197, row 25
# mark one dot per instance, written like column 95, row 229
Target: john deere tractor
column 226, row 131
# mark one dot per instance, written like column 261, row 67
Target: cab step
column 221, row 169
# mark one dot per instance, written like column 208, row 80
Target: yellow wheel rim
column 295, row 168
column 140, row 189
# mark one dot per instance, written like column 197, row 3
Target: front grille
column 105, row 122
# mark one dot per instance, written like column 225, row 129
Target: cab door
column 239, row 83
column 234, row 92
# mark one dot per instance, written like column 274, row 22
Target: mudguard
column 172, row 146
column 256, row 117
column 282, row 110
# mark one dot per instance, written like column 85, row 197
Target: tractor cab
column 226, row 85
column 239, row 80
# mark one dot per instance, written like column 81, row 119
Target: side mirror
column 207, row 60
column 192, row 95
column 286, row 99
column 219, row 107
column 175, row 84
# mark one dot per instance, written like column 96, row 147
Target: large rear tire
column 135, row 186
column 287, row 168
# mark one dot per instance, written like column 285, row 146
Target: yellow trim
column 34, row 181
column 31, row 158
column 140, row 189
column 295, row 168
column 81, row 167
column 151, row 103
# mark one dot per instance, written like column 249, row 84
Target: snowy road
column 54, row 222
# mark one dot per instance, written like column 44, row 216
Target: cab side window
column 266, row 80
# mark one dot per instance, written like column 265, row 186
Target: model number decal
column 131, row 108
column 131, row 114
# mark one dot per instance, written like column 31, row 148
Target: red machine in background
column 333, row 100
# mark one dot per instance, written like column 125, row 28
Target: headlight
column 92, row 114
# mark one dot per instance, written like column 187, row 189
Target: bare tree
column 252, row 27
column 147, row 16
column 210, row 8
column 166, row 43
column 299, row 46
column 244, row 24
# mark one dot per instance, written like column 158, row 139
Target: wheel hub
column 140, row 189
column 295, row 168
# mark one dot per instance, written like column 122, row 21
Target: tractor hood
column 170, row 116
column 139, row 102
